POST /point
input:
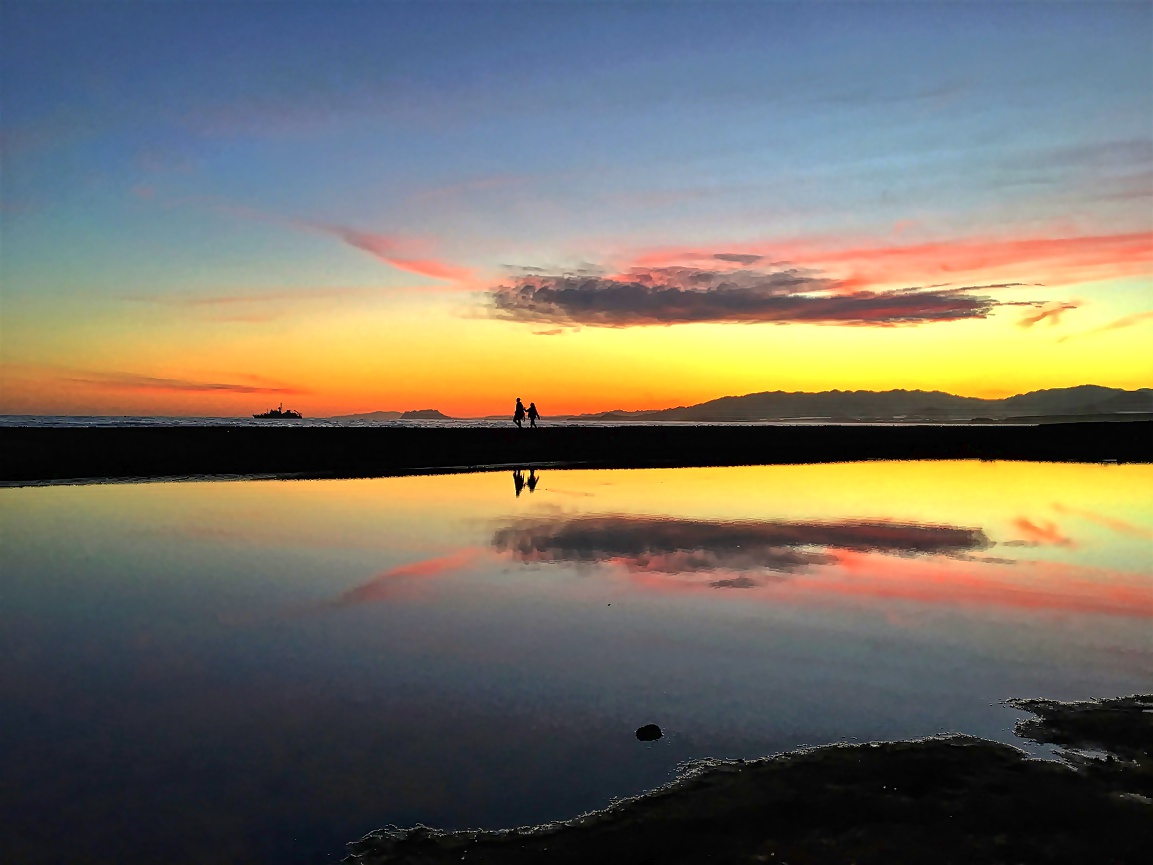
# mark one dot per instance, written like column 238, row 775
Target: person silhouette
column 518, row 413
column 533, row 414
column 532, row 478
column 518, row 482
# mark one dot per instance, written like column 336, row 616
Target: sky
column 210, row 208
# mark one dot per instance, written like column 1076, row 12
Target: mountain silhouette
column 368, row 416
column 1084, row 400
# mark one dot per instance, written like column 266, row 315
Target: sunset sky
column 209, row 208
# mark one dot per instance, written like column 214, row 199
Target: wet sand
column 31, row 454
column 953, row 799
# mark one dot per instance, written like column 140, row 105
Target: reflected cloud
column 1119, row 526
column 1042, row 586
column 398, row 581
column 817, row 564
column 735, row 583
column 1043, row 533
column 644, row 544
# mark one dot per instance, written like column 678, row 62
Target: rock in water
column 649, row 733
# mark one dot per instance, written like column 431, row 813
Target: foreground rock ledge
column 953, row 799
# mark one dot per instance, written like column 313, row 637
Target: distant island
column 368, row 416
column 415, row 414
column 1083, row 403
column 1089, row 402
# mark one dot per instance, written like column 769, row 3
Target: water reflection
column 1042, row 533
column 857, row 559
column 672, row 545
column 519, row 482
column 1119, row 526
column 260, row 671
column 397, row 583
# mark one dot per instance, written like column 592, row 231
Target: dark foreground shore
column 32, row 454
column 954, row 799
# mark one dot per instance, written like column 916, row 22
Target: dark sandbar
column 31, row 454
column 953, row 799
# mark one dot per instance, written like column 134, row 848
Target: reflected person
column 518, row 481
column 532, row 478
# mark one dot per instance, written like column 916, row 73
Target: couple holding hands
column 520, row 412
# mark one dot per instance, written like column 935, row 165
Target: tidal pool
column 261, row 671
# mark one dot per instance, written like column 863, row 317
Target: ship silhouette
column 280, row 413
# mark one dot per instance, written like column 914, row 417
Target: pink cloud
column 1052, row 260
column 404, row 253
column 819, row 281
column 398, row 252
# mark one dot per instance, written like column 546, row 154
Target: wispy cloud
column 1050, row 260
column 1103, row 170
column 411, row 254
column 1124, row 321
column 132, row 381
column 683, row 295
column 1050, row 311
column 400, row 252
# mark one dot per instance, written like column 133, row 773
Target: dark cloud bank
column 684, row 295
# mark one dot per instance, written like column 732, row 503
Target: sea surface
column 263, row 670
column 27, row 420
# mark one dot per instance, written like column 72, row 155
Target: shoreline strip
column 32, row 454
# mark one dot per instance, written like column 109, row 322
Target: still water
column 260, row 671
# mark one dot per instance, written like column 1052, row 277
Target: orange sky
column 411, row 348
column 779, row 206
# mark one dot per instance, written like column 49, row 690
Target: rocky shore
column 38, row 454
column 953, row 799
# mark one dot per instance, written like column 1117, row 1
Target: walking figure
column 533, row 414
column 518, row 414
